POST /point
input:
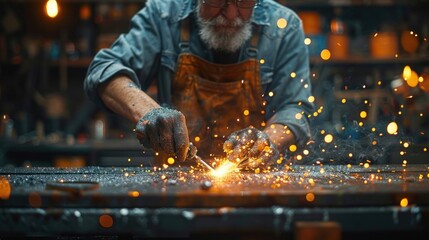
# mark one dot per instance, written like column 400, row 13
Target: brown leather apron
column 216, row 99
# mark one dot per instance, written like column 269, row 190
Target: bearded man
column 232, row 78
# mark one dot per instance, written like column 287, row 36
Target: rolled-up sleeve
column 132, row 54
column 288, row 95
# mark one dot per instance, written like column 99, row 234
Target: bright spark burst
column 224, row 168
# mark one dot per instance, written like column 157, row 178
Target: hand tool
column 192, row 154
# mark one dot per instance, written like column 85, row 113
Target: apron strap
column 184, row 34
column 252, row 50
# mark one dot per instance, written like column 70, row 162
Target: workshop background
column 370, row 75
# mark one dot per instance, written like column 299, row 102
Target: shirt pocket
column 168, row 60
column 266, row 75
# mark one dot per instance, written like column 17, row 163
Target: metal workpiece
column 185, row 201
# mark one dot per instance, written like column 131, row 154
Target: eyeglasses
column 223, row 3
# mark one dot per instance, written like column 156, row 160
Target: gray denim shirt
column 150, row 49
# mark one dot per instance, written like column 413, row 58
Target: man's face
column 224, row 28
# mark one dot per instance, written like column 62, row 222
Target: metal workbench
column 380, row 201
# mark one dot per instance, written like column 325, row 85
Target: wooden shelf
column 363, row 94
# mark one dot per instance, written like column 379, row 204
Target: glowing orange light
column 325, row 54
column 392, row 128
column 310, row 197
column 363, row 114
column 329, row 138
column 413, row 79
column 105, row 221
column 281, row 23
column 403, row 202
column 5, row 188
column 52, row 8
column 85, row 12
column 133, row 194
column 406, row 73
column 170, row 160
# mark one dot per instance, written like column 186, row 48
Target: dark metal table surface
column 182, row 201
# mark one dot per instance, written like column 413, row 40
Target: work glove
column 164, row 130
column 251, row 148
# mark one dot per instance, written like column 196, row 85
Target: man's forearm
column 125, row 98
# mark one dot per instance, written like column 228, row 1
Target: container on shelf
column 409, row 41
column 312, row 22
column 338, row 45
column 384, row 45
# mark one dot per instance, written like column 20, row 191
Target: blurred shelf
column 367, row 60
column 345, row 3
column 107, row 152
column 362, row 94
column 76, row 63
column 73, row 147
column 87, row 1
column 352, row 60
column 294, row 3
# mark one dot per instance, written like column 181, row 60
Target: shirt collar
column 187, row 9
column 260, row 14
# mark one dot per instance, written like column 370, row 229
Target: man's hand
column 251, row 149
column 164, row 129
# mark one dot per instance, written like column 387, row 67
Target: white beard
column 229, row 40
